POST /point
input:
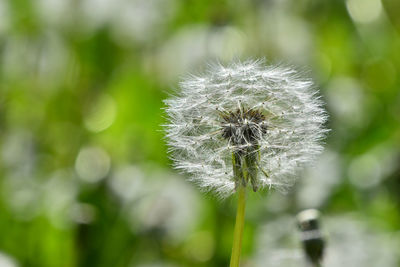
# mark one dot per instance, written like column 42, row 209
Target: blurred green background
column 85, row 178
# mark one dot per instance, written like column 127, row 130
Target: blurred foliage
column 85, row 178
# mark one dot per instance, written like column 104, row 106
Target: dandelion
column 244, row 124
column 266, row 121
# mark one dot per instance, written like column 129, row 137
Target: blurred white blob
column 82, row 213
column 55, row 12
column 364, row 11
column 277, row 245
column 55, row 198
column 141, row 20
column 92, row 164
column 172, row 207
column 17, row 49
column 226, row 43
column 365, row 171
column 96, row 13
column 101, row 114
column 349, row 242
column 7, row 261
column 19, row 188
column 352, row 243
column 193, row 45
column 292, row 37
column 4, row 17
column 18, row 151
column 130, row 20
column 156, row 199
column 347, row 101
column 52, row 58
column 318, row 181
column 283, row 32
column 128, row 182
column 59, row 196
column 369, row 169
column 44, row 58
column 22, row 193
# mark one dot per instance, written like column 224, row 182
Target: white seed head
column 266, row 115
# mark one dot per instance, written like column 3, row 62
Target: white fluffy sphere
column 245, row 110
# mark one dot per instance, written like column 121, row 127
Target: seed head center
column 243, row 126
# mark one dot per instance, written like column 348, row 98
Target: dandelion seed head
column 268, row 114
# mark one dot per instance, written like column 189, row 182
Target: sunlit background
column 85, row 178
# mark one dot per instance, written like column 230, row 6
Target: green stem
column 239, row 225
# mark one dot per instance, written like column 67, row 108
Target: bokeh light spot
column 365, row 171
column 364, row 11
column 83, row 213
column 101, row 115
column 7, row 261
column 127, row 182
column 92, row 164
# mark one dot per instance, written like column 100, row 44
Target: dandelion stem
column 239, row 225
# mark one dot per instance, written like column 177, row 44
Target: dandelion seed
column 245, row 123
